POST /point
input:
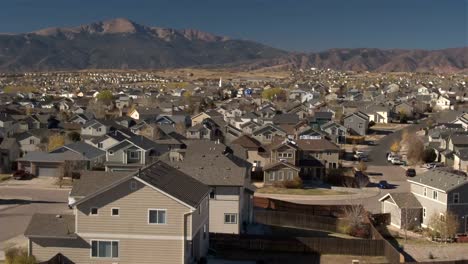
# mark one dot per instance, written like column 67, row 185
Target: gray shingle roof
column 92, row 181
column 405, row 200
column 174, row 182
column 37, row 156
column 211, row 164
column 440, row 179
column 51, row 226
column 88, row 151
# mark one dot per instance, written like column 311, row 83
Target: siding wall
column 131, row 251
column 133, row 218
column 218, row 207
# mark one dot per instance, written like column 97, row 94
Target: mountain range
column 124, row 44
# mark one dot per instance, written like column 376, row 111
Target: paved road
column 378, row 153
column 17, row 205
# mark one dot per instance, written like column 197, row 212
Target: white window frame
column 424, row 213
column 435, row 195
column 118, row 212
column 100, row 145
column 91, row 211
column 425, row 192
column 458, row 198
column 230, row 214
column 101, row 240
column 157, row 209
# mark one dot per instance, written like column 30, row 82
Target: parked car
column 22, row 175
column 433, row 165
column 383, row 185
column 410, row 172
column 397, row 161
column 360, row 155
column 391, row 156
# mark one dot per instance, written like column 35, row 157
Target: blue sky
column 298, row 25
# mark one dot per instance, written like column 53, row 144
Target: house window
column 268, row 136
column 424, row 212
column 134, row 154
column 435, row 195
column 230, row 218
column 456, row 198
column 272, row 176
column 31, row 141
column 280, row 176
column 93, row 211
column 133, row 185
column 100, row 145
column 115, row 212
column 157, row 216
column 425, row 191
column 104, row 249
column 290, row 175
column 289, row 155
column 99, row 129
column 212, row 194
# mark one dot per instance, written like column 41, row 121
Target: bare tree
column 446, row 225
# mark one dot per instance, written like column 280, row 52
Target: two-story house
column 218, row 166
column 307, row 158
column 357, row 123
column 156, row 215
column 28, row 142
column 268, row 132
column 95, row 128
column 440, row 191
column 131, row 154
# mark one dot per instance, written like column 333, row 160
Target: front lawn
column 276, row 190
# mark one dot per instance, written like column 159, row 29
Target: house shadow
column 387, row 235
column 376, row 184
column 23, row 202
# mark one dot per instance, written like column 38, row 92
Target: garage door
column 48, row 171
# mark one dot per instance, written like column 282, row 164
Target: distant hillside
column 123, row 44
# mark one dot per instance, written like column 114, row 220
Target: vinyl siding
column 131, row 251
column 133, row 218
column 220, row 206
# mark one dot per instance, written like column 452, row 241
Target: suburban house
column 307, row 158
column 131, row 154
column 255, row 153
column 9, row 152
column 403, row 108
column 155, row 215
column 266, row 133
column 357, row 123
column 94, row 157
column 28, row 142
column 95, row 128
column 228, row 174
column 436, row 192
column 377, row 113
column 404, row 209
column 336, row 132
column 460, row 159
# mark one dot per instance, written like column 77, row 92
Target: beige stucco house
column 156, row 215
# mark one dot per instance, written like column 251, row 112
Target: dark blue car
column 383, row 185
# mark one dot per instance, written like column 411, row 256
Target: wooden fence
column 296, row 220
column 390, row 252
column 311, row 245
column 318, row 210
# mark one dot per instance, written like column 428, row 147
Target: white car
column 397, row 161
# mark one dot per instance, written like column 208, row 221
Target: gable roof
column 92, row 181
column 166, row 179
column 403, row 200
column 247, row 142
column 279, row 164
column 82, row 148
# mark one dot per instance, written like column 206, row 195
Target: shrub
column 295, row 183
column 18, row 256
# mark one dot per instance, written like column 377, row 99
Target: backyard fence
column 312, row 245
column 296, row 220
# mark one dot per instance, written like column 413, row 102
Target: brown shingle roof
column 51, row 226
